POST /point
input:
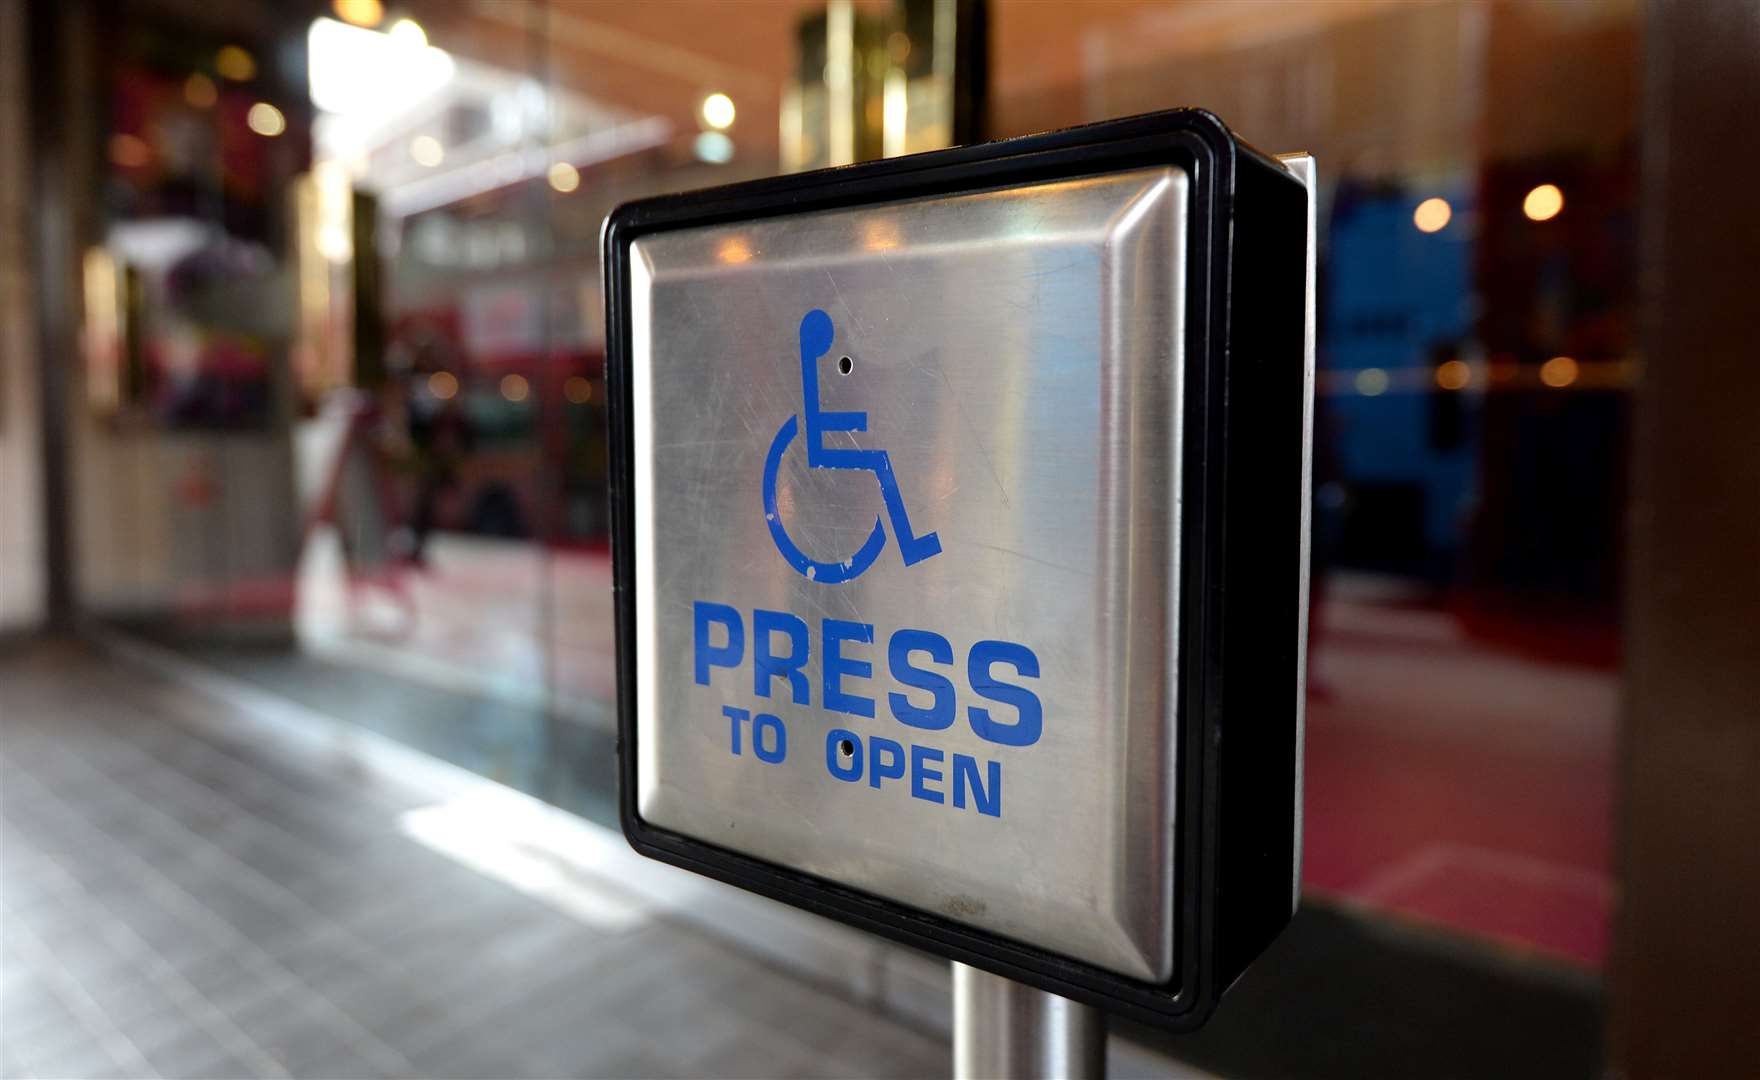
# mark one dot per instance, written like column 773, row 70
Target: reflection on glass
column 343, row 367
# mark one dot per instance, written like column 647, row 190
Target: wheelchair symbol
column 816, row 335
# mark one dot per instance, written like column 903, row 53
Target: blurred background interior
column 303, row 405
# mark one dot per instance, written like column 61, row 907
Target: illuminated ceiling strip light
column 615, row 43
column 515, row 167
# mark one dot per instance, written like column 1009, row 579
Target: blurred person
column 439, row 430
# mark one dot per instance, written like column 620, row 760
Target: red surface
column 1456, row 783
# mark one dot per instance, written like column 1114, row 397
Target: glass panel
column 1476, row 347
column 341, row 430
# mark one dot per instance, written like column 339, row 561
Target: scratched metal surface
column 1017, row 353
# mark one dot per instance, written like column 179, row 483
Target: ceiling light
column 564, row 177
column 265, row 119
column 1432, row 215
column 409, row 32
column 368, row 76
column 1454, row 375
column 427, row 150
column 359, row 12
column 1560, row 371
column 718, row 111
column 199, row 90
column 236, row 64
column 1543, row 203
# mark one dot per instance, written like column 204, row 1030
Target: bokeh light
column 265, row 119
column 359, row 12
column 564, row 177
column 1432, row 215
column 409, row 32
column 129, row 151
column 1453, row 375
column 200, row 91
column 714, row 148
column 718, row 111
column 1543, row 203
column 235, row 63
column 1560, row 371
column 427, row 150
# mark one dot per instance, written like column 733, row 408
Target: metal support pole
column 1005, row 1029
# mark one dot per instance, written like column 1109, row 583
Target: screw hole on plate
column 846, row 748
column 845, row 366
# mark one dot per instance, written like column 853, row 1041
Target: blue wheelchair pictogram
column 816, row 335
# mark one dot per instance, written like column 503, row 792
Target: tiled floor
column 178, row 903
